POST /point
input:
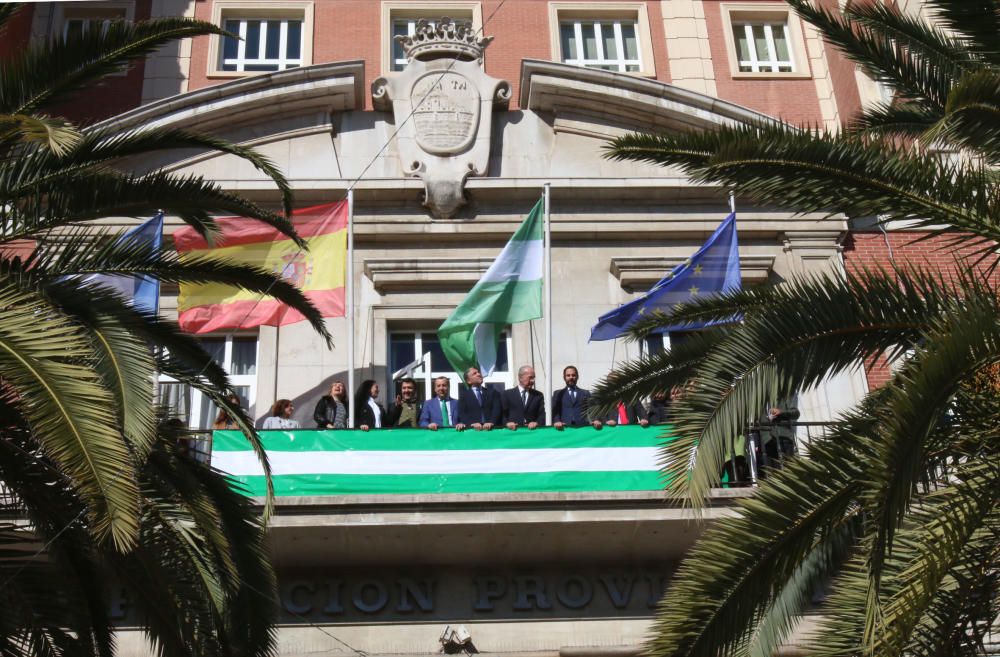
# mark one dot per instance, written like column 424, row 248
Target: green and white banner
column 509, row 292
column 411, row 461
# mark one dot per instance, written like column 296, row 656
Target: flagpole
column 349, row 310
column 547, row 297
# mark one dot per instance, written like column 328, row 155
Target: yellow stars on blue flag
column 714, row 268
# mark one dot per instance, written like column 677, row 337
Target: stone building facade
column 331, row 105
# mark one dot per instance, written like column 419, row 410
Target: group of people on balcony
column 478, row 407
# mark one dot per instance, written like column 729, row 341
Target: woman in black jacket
column 332, row 410
column 368, row 413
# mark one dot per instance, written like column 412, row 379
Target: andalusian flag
column 510, row 291
column 318, row 272
column 413, row 461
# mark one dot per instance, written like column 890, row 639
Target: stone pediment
column 623, row 100
column 257, row 99
column 407, row 274
column 639, row 273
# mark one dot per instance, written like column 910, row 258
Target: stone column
column 688, row 52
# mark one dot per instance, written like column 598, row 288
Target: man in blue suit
column 569, row 404
column 441, row 410
column 478, row 405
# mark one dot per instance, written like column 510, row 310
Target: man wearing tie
column 478, row 406
column 441, row 410
column 524, row 406
column 569, row 404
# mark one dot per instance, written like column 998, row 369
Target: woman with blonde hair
column 332, row 410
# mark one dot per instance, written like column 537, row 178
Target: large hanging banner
column 413, row 461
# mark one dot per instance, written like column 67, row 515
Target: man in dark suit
column 440, row 410
column 524, row 406
column 569, row 404
column 478, row 406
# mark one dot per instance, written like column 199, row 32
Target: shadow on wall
column 305, row 403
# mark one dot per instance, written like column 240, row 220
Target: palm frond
column 826, row 173
column 56, row 134
column 975, row 22
column 954, row 348
column 7, row 11
column 919, row 63
column 66, row 405
column 104, row 144
column 49, row 69
column 720, row 593
column 972, row 114
column 652, row 373
column 68, row 197
column 78, row 256
column 905, row 120
column 778, row 351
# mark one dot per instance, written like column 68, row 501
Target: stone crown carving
column 444, row 38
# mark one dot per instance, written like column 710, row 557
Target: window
column 406, row 348
column 762, row 47
column 607, row 45
column 238, row 356
column 400, row 19
column 79, row 20
column 764, row 41
column 264, row 45
column 611, row 36
column 272, row 37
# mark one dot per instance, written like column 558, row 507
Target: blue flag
column 714, row 268
column 144, row 291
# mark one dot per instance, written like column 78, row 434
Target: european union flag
column 714, row 268
column 144, row 291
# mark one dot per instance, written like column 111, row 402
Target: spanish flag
column 318, row 272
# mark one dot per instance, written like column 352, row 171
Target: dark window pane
column 174, row 397
column 631, row 43
column 502, row 362
column 401, row 351
column 260, row 67
column 271, row 49
column 244, row 356
column 567, row 39
column 294, row 39
column 230, row 46
column 216, row 347
column 74, row 29
column 654, row 344
column 610, row 45
column 589, row 41
column 253, row 40
column 439, row 362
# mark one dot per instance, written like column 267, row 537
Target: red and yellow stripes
column 318, row 272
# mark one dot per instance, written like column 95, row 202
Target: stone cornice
column 637, row 273
column 400, row 274
column 623, row 100
column 336, row 87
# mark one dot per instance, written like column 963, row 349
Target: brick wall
column 17, row 31
column 870, row 249
column 793, row 100
column 112, row 94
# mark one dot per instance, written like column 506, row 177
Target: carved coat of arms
column 443, row 105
